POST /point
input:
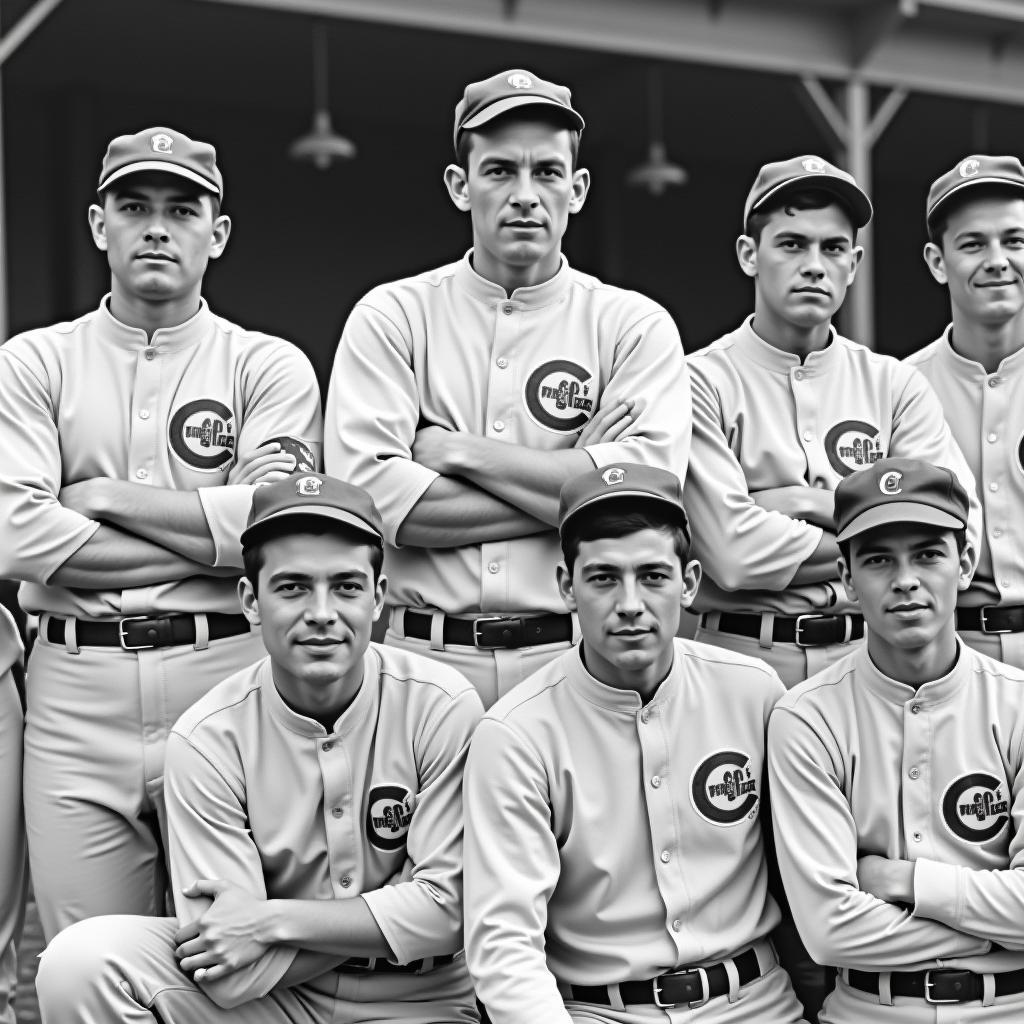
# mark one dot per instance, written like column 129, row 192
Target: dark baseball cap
column 803, row 172
column 970, row 172
column 510, row 90
column 899, row 491
column 314, row 494
column 644, row 484
column 162, row 149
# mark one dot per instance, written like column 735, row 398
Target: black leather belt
column 490, row 631
column 142, row 632
column 692, row 987
column 939, row 986
column 380, row 964
column 992, row 618
column 810, row 630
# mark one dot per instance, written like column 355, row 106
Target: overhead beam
column 25, row 26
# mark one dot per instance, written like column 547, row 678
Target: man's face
column 803, row 264
column 317, row 603
column 159, row 233
column 519, row 189
column 981, row 259
column 629, row 592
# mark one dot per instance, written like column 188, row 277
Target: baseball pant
column 849, row 1006
column 1008, row 647
column 12, row 843
column 95, row 733
column 122, row 970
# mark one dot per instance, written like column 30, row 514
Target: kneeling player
column 314, row 811
column 897, row 776
column 614, row 860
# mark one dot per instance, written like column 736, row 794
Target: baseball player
column 614, row 860
column 464, row 397
column 783, row 409
column 132, row 439
column 975, row 218
column 315, row 812
column 897, row 776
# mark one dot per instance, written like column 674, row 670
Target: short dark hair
column 938, row 224
column 465, row 140
column 960, row 536
column 619, row 518
column 317, row 526
column 804, row 199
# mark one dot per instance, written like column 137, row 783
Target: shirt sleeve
column 208, row 837
column 422, row 916
column 512, row 867
column 816, row 843
column 373, row 411
column 40, row 534
column 740, row 545
column 281, row 401
column 649, row 365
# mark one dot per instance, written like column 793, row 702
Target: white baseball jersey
column 91, row 398
column 862, row 764
column 764, row 419
column 451, row 348
column 608, row 840
column 272, row 801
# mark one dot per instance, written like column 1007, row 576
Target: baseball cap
column 803, row 172
column 899, row 491
column 314, row 494
column 509, row 90
column 972, row 171
column 645, row 484
column 162, row 149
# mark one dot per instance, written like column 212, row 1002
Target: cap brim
column 315, row 511
column 894, row 512
column 987, row 179
column 164, row 167
column 489, row 113
column 615, row 495
column 858, row 203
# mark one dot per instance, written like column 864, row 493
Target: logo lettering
column 389, row 811
column 520, row 81
column 558, row 396
column 975, row 808
column 969, row 168
column 890, row 483
column 723, row 788
column 202, row 434
column 615, row 475
column 162, row 143
column 852, row 445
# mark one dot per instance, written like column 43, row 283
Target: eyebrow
column 177, row 197
column 881, row 547
column 613, row 567
column 303, row 577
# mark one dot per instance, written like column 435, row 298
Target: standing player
column 897, row 776
column 975, row 219
column 783, row 409
column 315, row 812
column 614, row 857
column 464, row 397
column 132, row 438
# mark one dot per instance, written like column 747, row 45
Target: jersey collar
column 610, row 698
column 533, row 297
column 930, row 694
column 166, row 338
column 755, row 348
column 971, row 369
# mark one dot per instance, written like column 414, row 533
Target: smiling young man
column 975, row 219
column 133, row 438
column 614, row 857
column 897, row 776
column 314, row 807
column 463, row 398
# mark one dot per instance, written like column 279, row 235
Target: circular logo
column 161, row 143
column 852, row 445
column 388, row 815
column 202, row 434
column 558, row 396
column 974, row 807
column 520, row 81
column 969, row 168
column 615, row 475
column 890, row 483
column 814, row 165
column 723, row 789
column 308, row 486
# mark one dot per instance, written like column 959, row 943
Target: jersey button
column 346, row 882
column 665, row 856
column 337, row 812
column 142, row 474
column 799, row 374
column 325, row 747
column 493, row 567
column 808, row 436
column 992, row 438
column 917, row 837
column 915, row 773
column 997, row 532
column 915, row 709
column 502, row 363
column 676, row 925
column 507, row 309
column 143, row 414
column 499, row 425
column 994, row 382
column 656, row 781
column 150, row 354
column 993, row 486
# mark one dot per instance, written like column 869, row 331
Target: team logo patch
column 558, row 396
column 723, row 788
column 969, row 168
column 852, row 445
column 388, row 815
column 615, row 475
column 520, row 81
column 813, row 165
column 305, row 460
column 161, row 143
column 891, row 483
column 975, row 808
column 202, row 434
column 308, row 486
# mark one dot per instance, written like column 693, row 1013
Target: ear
column 856, row 254
column 936, row 262
column 580, row 188
column 565, row 586
column 692, row 573
column 378, row 596
column 844, row 575
column 219, row 239
column 247, row 599
column 98, row 227
column 746, row 254
column 968, row 563
column 457, row 182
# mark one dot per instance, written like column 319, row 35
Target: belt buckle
column 121, row 634
column 800, row 625
column 984, row 623
column 484, row 645
column 705, row 990
column 928, row 983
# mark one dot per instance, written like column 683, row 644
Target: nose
column 630, row 603
column 320, row 607
column 813, row 266
column 906, row 577
column 156, row 230
column 525, row 192
column 995, row 256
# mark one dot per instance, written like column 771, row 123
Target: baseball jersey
column 762, row 418
column 450, row 348
column 862, row 764
column 269, row 799
column 608, row 840
column 985, row 412
column 91, row 398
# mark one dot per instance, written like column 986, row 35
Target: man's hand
column 814, row 505
column 84, row 497
column 227, row 936
column 611, row 423
column 437, row 448
column 889, row 880
column 263, row 465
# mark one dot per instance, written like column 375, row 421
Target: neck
column 152, row 316
column 323, row 701
column 511, row 277
column 643, row 680
column 787, row 337
column 917, row 666
column 988, row 344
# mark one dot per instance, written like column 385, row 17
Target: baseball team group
column 534, row 801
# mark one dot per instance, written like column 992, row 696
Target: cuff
column 409, row 938
column 226, row 509
column 936, row 891
column 399, row 502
